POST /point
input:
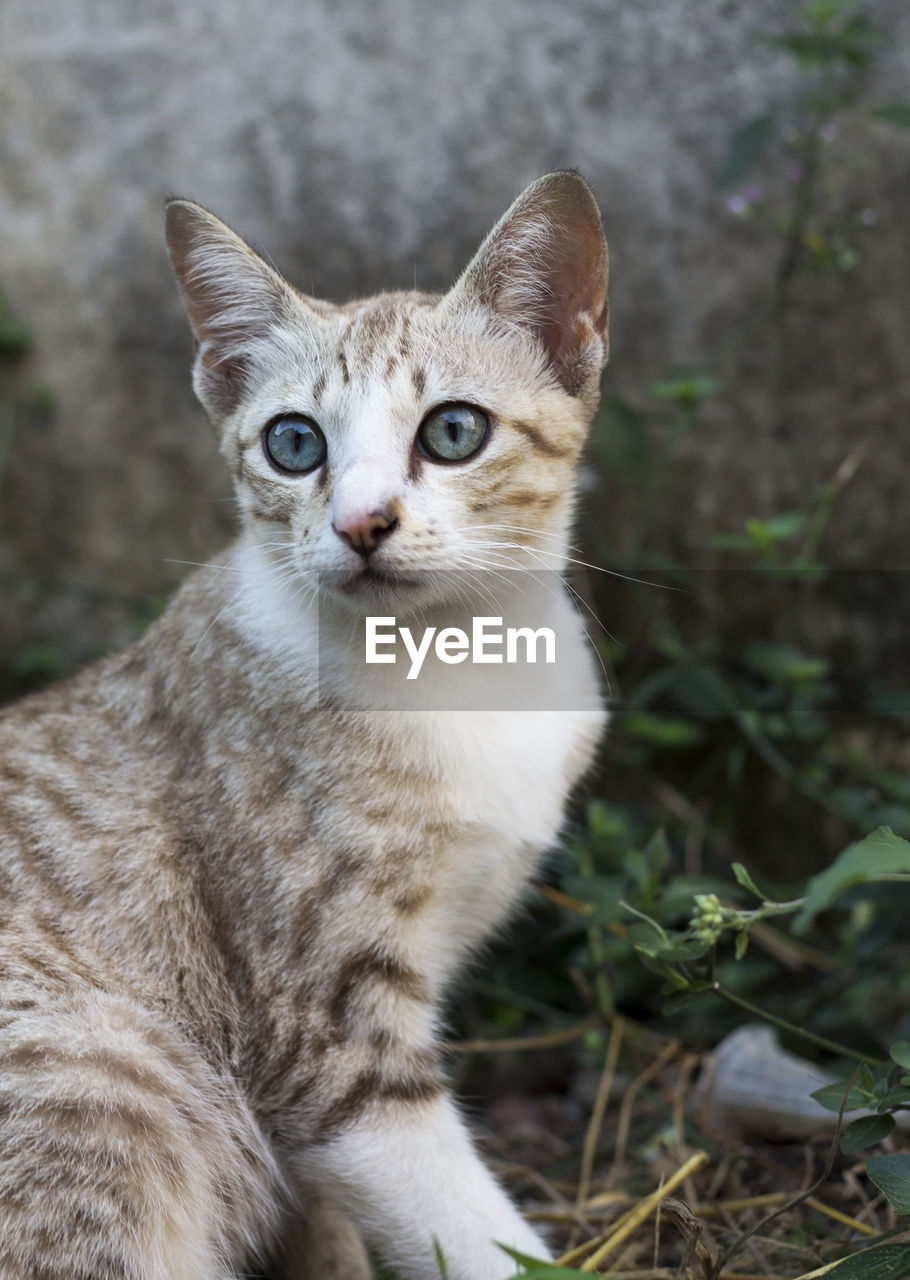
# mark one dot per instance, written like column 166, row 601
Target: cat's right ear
column 233, row 300
column 543, row 269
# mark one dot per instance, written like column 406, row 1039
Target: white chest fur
column 513, row 772
column 501, row 777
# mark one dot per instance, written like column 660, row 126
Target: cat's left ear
column 544, row 268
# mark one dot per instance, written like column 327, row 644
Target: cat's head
column 401, row 443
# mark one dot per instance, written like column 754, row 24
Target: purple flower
column 741, row 201
column 794, row 172
column 869, row 217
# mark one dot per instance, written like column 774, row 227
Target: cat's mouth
column 381, row 589
column 373, row 586
column 373, row 578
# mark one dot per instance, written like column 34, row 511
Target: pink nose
column 364, row 531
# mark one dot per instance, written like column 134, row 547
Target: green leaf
column 37, row 660
column 891, row 1174
column 893, row 1100
column 824, row 47
column 895, row 113
column 619, row 440
column 603, row 892
column 731, row 542
column 741, row 946
column 676, row 1002
column 744, row 151
column 900, row 1053
column 536, row 1269
column 14, row 337
column 880, row 856
column 441, row 1262
column 647, row 937
column 687, row 391
column 831, row 1096
column 743, row 878
column 882, row 1262
column 862, row 31
column 865, row 1132
column 657, row 853
column 673, row 980
column 787, row 524
column 820, row 12
column 681, row 952
column 784, row 664
column 865, row 1080
column 664, row 731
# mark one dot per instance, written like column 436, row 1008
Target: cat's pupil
column 294, row 444
column 453, row 432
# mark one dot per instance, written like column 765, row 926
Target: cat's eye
column 452, row 432
column 294, row 443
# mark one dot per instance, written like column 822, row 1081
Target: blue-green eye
column 294, row 444
column 453, row 432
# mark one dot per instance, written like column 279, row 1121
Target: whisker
column 202, row 564
column 584, row 564
column 521, row 528
column 576, row 596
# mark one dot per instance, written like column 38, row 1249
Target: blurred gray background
column 368, row 145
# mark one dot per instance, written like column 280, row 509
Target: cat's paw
column 321, row 1243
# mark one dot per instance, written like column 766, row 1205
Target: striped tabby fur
column 229, row 908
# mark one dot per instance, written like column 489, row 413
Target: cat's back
column 96, row 889
column 88, row 766
column 68, row 761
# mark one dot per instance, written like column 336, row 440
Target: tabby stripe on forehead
column 540, row 442
column 403, row 344
column 374, row 330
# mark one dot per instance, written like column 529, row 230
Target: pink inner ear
column 231, row 295
column 576, row 295
column 544, row 267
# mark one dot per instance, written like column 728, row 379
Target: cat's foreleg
column 121, row 1154
column 409, row 1175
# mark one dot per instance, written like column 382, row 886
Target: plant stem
column 821, row 1041
column 828, row 495
column 596, row 947
column 787, row 270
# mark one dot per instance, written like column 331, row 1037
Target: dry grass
column 627, row 1181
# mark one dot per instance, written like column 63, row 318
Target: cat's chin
column 375, row 590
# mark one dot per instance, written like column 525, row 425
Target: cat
column 236, row 880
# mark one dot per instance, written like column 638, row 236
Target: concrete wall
column 369, row 143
